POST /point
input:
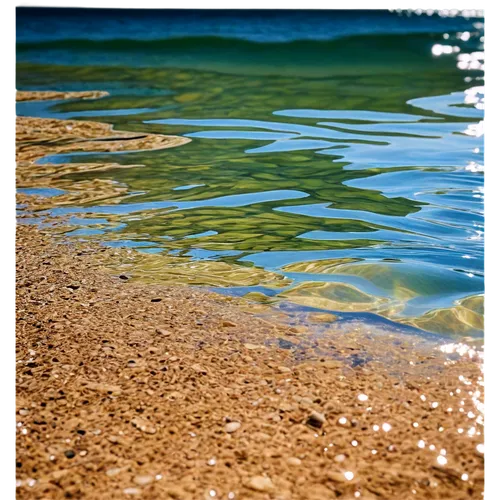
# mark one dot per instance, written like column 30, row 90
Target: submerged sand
column 129, row 389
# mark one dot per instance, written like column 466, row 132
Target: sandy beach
column 128, row 389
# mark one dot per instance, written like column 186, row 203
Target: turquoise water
column 342, row 151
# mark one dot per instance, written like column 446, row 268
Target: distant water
column 341, row 149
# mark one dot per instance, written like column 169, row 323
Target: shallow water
column 341, row 154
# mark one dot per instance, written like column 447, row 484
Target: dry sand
column 130, row 390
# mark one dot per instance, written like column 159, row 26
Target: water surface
column 342, row 151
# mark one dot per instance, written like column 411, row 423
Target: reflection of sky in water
column 46, row 109
column 239, row 200
column 44, row 192
column 189, row 186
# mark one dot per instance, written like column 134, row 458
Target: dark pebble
column 69, row 453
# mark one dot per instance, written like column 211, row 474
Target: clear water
column 342, row 150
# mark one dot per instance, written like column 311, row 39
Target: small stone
column 339, row 458
column 294, row 461
column 252, row 346
column 69, row 453
column 23, row 412
column 113, row 472
column 316, row 420
column 162, row 331
column 143, row 480
column 143, row 425
column 227, row 323
column 338, row 477
column 284, row 369
column 232, row 427
column 132, row 491
column 123, row 277
column 260, row 483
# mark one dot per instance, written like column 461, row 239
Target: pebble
column 338, row 477
column 339, row 458
column 143, row 480
column 143, row 425
column 162, row 331
column 228, row 323
column 284, row 369
column 260, row 483
column 316, row 420
column 252, row 346
column 293, row 461
column 132, row 491
column 232, row 427
column 113, row 472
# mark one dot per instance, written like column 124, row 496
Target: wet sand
column 135, row 390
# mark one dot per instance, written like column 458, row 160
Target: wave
column 217, row 42
column 359, row 54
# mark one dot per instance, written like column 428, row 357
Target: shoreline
column 128, row 389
